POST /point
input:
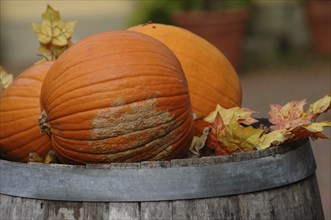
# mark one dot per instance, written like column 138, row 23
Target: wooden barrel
column 277, row 183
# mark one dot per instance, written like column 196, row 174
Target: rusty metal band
column 80, row 183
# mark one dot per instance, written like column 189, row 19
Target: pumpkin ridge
column 185, row 137
column 194, row 96
column 128, row 103
column 174, row 154
column 75, row 100
column 59, row 152
column 22, row 109
column 28, row 146
column 216, row 75
column 114, row 137
column 166, row 130
column 31, row 146
column 150, row 129
column 145, row 113
column 20, row 131
column 17, row 121
column 102, row 57
column 130, row 151
column 87, row 129
column 25, row 97
column 107, row 91
column 219, row 90
column 4, row 139
column 56, row 88
column 24, row 116
column 210, row 101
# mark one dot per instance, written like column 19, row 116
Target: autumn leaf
column 243, row 115
column 239, row 138
column 34, row 157
column 62, row 32
column 199, row 142
column 50, row 157
column 289, row 116
column 290, row 122
column 216, row 128
column 196, row 116
column 313, row 130
column 50, row 14
column 43, row 31
column 276, row 137
column 320, row 106
column 53, row 34
column 5, row 79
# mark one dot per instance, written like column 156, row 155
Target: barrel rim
column 163, row 180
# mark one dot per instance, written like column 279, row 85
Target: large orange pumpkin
column 211, row 78
column 19, row 113
column 118, row 96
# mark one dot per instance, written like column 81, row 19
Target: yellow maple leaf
column 5, row 79
column 34, row 157
column 273, row 138
column 50, row 157
column 243, row 115
column 313, row 130
column 62, row 32
column 318, row 126
column 53, row 34
column 199, row 142
column 51, row 14
column 320, row 106
column 239, row 138
column 289, row 116
column 43, row 31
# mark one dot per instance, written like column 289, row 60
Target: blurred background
column 281, row 49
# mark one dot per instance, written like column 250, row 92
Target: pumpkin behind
column 117, row 97
column 19, row 113
column 211, row 78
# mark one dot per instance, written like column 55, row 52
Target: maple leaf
column 34, row 157
column 276, row 137
column 289, row 116
column 5, row 79
column 53, row 34
column 243, row 115
column 239, row 138
column 62, row 32
column 313, row 130
column 43, row 31
column 51, row 14
column 199, row 142
column 320, row 106
column 216, row 128
column 50, row 157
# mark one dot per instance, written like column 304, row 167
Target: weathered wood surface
column 299, row 200
column 159, row 181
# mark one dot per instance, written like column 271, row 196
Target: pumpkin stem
column 44, row 123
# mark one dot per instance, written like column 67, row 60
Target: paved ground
column 279, row 84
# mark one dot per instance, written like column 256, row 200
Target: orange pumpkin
column 117, row 97
column 211, row 78
column 19, row 113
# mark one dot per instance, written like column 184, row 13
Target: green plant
column 161, row 11
column 213, row 4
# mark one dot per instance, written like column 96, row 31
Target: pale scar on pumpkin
column 122, row 130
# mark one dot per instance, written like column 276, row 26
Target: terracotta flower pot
column 224, row 29
column 319, row 20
